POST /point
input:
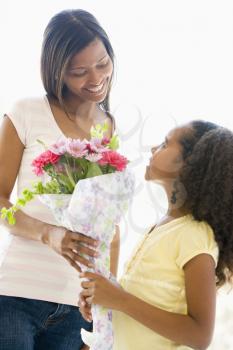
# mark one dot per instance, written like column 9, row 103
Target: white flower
column 93, row 157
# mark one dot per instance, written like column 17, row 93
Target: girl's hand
column 99, row 290
column 71, row 245
column 85, row 309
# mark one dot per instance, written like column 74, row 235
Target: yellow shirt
column 155, row 274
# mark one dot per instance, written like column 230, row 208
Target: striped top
column 31, row 269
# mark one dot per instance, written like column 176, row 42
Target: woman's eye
column 80, row 74
column 103, row 65
column 163, row 145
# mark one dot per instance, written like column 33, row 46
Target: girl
column 39, row 280
column 167, row 295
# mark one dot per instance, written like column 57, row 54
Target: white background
column 174, row 63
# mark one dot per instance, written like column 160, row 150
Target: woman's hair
column 207, row 176
column 67, row 33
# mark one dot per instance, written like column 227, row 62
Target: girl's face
column 166, row 161
column 89, row 73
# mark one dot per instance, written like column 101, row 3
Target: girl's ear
column 179, row 159
column 178, row 165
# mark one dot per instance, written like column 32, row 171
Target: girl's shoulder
column 192, row 229
column 194, row 238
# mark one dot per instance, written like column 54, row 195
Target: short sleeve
column 17, row 115
column 195, row 239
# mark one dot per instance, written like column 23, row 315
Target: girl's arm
column 114, row 253
column 194, row 329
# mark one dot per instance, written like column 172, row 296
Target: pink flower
column 43, row 159
column 105, row 140
column 76, row 148
column 114, row 159
column 96, row 145
column 59, row 147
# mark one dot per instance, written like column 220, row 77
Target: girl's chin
column 147, row 174
column 150, row 176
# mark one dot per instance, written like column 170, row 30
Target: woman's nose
column 95, row 78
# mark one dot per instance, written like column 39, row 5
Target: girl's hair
column 208, row 179
column 67, row 33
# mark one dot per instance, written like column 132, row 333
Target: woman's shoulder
column 25, row 114
column 28, row 103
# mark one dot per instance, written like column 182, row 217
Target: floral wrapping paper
column 95, row 207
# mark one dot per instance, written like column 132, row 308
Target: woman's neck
column 78, row 108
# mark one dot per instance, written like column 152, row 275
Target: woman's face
column 167, row 161
column 89, row 73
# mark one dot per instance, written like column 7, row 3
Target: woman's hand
column 100, row 290
column 71, row 245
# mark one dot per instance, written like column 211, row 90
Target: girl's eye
column 163, row 145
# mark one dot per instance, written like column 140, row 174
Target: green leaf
column 38, row 188
column 11, row 218
column 114, row 142
column 99, row 130
column 93, row 170
column 42, row 143
column 8, row 214
column 3, row 213
column 67, row 186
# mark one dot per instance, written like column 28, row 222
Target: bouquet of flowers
column 88, row 188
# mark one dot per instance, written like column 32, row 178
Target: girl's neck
column 176, row 212
column 170, row 216
column 176, row 196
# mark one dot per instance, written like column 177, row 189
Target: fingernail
column 91, row 265
column 81, row 274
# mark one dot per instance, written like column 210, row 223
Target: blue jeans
column 28, row 324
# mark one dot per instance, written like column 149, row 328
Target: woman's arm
column 194, row 329
column 11, row 152
column 58, row 238
column 115, row 250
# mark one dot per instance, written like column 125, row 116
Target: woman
column 167, row 295
column 39, row 282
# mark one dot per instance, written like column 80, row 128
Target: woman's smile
column 97, row 90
